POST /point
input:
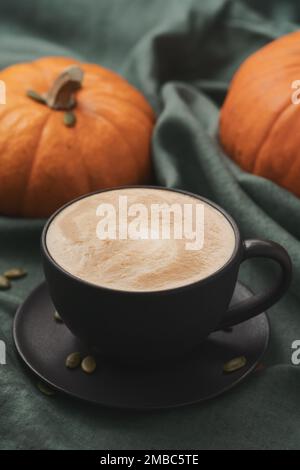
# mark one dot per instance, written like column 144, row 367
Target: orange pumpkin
column 60, row 138
column 259, row 124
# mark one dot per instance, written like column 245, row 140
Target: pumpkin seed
column 69, row 119
column 57, row 317
column 235, row 364
column 73, row 360
column 35, row 96
column 4, row 283
column 15, row 273
column 45, row 389
column 88, row 364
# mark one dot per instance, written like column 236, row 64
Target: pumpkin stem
column 61, row 94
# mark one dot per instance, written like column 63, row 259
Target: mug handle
column 258, row 303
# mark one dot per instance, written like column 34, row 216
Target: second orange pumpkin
column 259, row 124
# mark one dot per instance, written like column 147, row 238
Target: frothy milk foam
column 136, row 265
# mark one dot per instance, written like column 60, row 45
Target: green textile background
column 181, row 54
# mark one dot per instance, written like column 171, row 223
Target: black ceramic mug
column 142, row 326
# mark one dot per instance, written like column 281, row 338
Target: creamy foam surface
column 136, row 265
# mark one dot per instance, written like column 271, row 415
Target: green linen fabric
column 182, row 55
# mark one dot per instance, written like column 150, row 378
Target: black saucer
column 43, row 344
